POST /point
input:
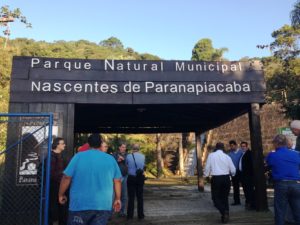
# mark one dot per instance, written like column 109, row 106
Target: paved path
column 181, row 204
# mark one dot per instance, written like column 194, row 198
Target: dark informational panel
column 50, row 80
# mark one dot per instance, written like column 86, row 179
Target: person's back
column 92, row 181
column 139, row 161
column 284, row 164
column 135, row 182
column 220, row 166
column 93, row 175
column 221, row 163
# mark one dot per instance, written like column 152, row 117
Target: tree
column 8, row 16
column 204, row 51
column 283, row 70
column 147, row 56
column 295, row 14
column 112, row 42
column 285, row 45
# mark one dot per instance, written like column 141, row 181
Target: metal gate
column 25, row 145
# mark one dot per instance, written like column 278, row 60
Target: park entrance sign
column 128, row 96
column 135, row 82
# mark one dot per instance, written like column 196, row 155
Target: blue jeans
column 286, row 192
column 124, row 194
column 89, row 217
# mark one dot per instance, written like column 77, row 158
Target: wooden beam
column 258, row 158
column 199, row 162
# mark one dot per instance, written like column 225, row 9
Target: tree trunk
column 185, row 142
column 159, row 156
column 199, row 162
column 181, row 158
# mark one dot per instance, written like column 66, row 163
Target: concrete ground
column 178, row 203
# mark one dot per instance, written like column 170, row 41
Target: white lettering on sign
column 142, row 87
column 111, row 65
column 132, row 65
column 207, row 67
column 56, row 64
column 58, row 87
column 197, row 88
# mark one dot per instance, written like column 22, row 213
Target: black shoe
column 249, row 207
column 142, row 217
column 129, row 218
column 236, row 203
column 225, row 218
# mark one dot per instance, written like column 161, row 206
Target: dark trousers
column 248, row 188
column 286, row 192
column 236, row 188
column 57, row 212
column 135, row 187
column 220, row 188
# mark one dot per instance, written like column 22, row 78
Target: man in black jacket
column 120, row 157
column 57, row 212
column 246, row 168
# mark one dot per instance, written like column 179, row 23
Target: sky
column 166, row 28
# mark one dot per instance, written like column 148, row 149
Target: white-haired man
column 295, row 127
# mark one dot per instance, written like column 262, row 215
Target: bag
column 139, row 172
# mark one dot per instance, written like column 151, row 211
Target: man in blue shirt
column 285, row 172
column 235, row 154
column 92, row 175
column 135, row 182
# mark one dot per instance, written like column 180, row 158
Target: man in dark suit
column 246, row 168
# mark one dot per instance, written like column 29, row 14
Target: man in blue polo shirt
column 285, row 164
column 92, row 175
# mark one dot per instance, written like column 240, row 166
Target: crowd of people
column 95, row 184
column 236, row 165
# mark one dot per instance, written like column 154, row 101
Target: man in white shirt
column 220, row 166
